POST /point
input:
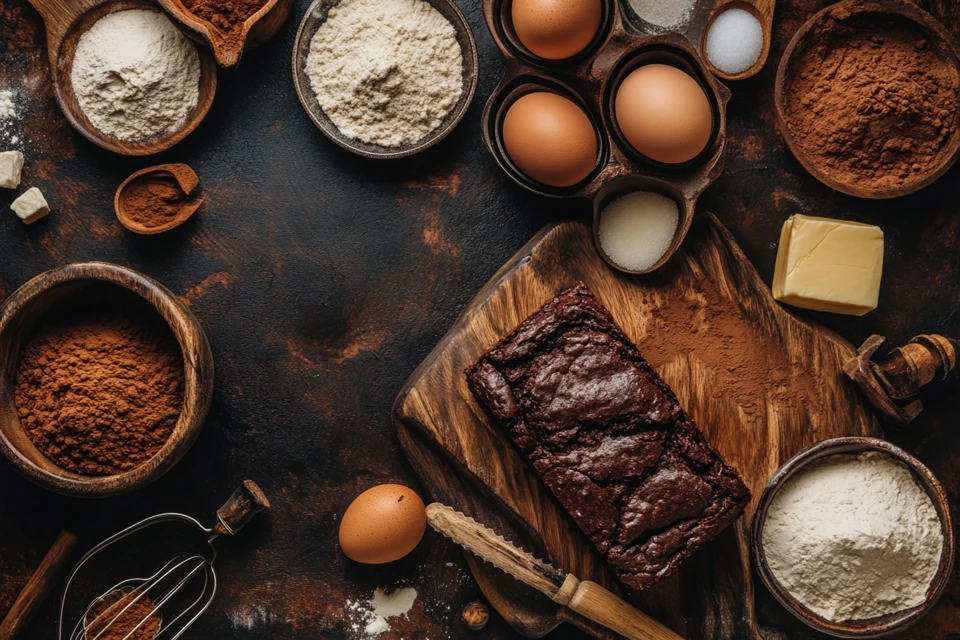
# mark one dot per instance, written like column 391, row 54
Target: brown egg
column 550, row 138
column 664, row 113
column 556, row 29
column 383, row 524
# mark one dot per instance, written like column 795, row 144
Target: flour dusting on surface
column 372, row 617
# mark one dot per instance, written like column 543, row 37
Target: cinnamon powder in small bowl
column 158, row 199
column 869, row 93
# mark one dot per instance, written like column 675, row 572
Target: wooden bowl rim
column 764, row 52
column 198, row 378
column 301, row 84
column 227, row 57
column 873, row 627
column 156, row 169
column 74, row 113
column 906, row 10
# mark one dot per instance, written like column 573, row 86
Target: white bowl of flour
column 854, row 537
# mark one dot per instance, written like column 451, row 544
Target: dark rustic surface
column 323, row 280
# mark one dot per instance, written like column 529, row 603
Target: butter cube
column 11, row 164
column 31, row 206
column 829, row 265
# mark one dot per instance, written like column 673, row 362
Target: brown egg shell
column 382, row 524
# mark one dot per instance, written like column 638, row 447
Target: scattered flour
column 7, row 109
column 9, row 119
column 374, row 614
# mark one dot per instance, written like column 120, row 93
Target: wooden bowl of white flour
column 854, row 537
column 374, row 89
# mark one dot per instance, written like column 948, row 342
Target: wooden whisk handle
column 246, row 502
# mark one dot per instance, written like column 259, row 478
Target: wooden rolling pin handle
column 596, row 603
column 39, row 586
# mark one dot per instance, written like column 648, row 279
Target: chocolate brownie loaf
column 608, row 437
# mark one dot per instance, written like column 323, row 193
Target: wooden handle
column 38, row 587
column 596, row 603
column 246, row 502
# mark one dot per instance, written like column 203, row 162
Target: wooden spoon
column 762, row 10
column 228, row 47
column 66, row 21
column 186, row 179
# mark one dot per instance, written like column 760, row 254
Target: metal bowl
column 316, row 15
column 870, row 627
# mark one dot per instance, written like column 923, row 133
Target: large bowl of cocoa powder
column 868, row 98
column 106, row 379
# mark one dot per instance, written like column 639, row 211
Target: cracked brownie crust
column 608, row 437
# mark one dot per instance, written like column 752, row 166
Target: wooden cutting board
column 761, row 383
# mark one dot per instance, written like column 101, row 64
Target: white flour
column 854, row 537
column 135, row 75
column 386, row 72
column 375, row 613
column 8, row 110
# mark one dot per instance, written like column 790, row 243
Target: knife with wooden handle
column 586, row 598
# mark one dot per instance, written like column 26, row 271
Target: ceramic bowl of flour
column 793, row 485
column 364, row 130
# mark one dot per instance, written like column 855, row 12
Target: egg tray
column 591, row 79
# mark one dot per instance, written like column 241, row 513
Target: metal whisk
column 162, row 605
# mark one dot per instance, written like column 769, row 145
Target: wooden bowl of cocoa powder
column 868, row 98
column 105, row 379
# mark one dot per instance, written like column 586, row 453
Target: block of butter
column 829, row 265
column 11, row 164
column 30, row 206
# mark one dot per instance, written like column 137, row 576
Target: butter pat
column 31, row 206
column 11, row 164
column 829, row 265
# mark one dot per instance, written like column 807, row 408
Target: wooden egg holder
column 591, row 79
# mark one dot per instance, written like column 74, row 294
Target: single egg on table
column 383, row 524
column 664, row 113
column 550, row 139
column 556, row 29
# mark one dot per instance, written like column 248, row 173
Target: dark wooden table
column 322, row 280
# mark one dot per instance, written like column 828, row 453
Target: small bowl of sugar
column 853, row 536
column 639, row 223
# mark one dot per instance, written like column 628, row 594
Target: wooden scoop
column 762, row 10
column 185, row 178
column 66, row 21
column 228, row 47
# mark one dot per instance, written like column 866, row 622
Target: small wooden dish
column 185, row 177
column 316, row 15
column 872, row 627
column 591, row 79
column 940, row 39
column 228, row 47
column 66, row 22
column 762, row 10
column 23, row 311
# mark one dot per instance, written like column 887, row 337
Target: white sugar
column 734, row 41
column 637, row 230
column 666, row 14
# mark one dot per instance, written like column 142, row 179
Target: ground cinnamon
column 99, row 390
column 871, row 101
column 126, row 615
column 226, row 15
column 158, row 198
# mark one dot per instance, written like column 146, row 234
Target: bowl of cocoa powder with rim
column 106, row 379
column 868, row 98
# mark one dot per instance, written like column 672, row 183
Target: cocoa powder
column 226, row 15
column 160, row 198
column 99, row 389
column 123, row 615
column 871, row 100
